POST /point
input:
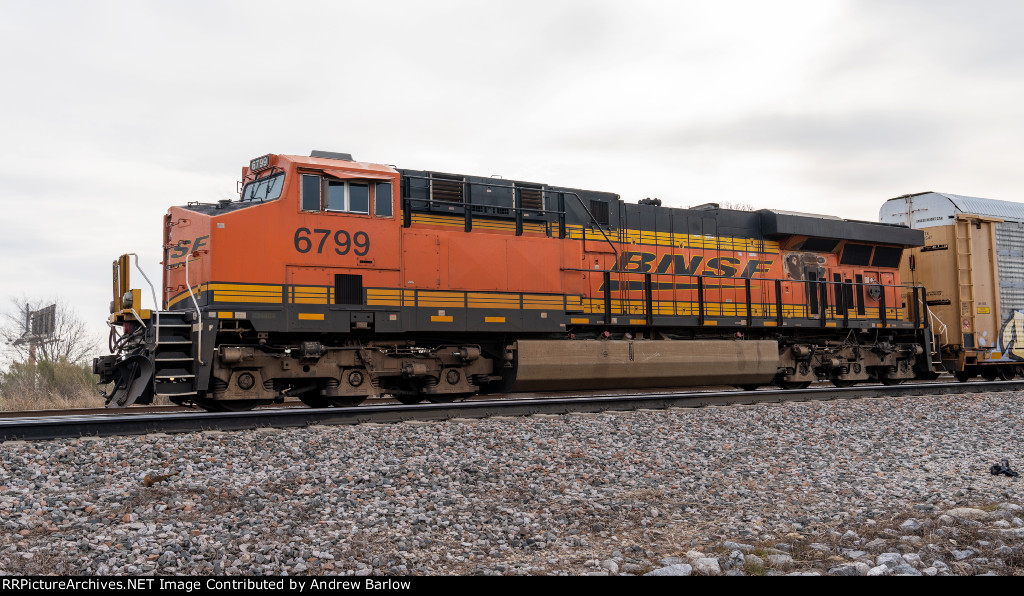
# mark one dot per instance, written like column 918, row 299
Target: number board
column 260, row 163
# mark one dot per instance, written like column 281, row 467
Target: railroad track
column 294, row 403
column 131, row 411
column 120, row 423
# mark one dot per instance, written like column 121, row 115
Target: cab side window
column 358, row 197
column 335, row 195
column 348, row 196
column 311, row 189
column 382, row 199
column 319, row 193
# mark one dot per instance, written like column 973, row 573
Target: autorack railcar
column 972, row 264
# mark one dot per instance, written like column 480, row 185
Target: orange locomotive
column 333, row 280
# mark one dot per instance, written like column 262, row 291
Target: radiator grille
column 532, row 197
column 348, row 289
column 600, row 211
column 446, row 188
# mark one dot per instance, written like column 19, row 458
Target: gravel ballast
column 891, row 486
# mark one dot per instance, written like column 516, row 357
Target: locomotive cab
column 322, row 221
column 323, row 225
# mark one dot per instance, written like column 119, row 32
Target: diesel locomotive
column 333, row 281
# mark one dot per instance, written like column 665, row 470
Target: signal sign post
column 39, row 327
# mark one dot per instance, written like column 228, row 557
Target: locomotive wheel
column 245, row 405
column 447, row 398
column 843, row 383
column 988, row 373
column 347, row 401
column 1005, row 373
column 409, row 399
column 887, row 380
column 230, row 405
column 315, row 401
column 963, row 376
column 794, row 384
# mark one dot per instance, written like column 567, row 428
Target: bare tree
column 738, row 205
column 734, row 205
column 70, row 340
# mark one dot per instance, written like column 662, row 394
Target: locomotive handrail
column 815, row 307
column 597, row 223
column 517, row 207
column 465, row 204
column 468, row 202
column 796, row 281
column 407, row 212
column 156, row 305
column 942, row 328
column 199, row 317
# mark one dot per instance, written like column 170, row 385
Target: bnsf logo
column 183, row 247
column 643, row 262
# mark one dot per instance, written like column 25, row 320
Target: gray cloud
column 967, row 38
column 113, row 111
column 817, row 136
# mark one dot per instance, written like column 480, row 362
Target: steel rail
column 133, row 410
column 44, row 427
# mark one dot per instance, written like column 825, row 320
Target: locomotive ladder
column 965, row 273
column 174, row 357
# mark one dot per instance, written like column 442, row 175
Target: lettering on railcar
column 643, row 262
column 183, row 247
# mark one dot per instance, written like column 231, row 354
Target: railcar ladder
column 174, row 358
column 965, row 273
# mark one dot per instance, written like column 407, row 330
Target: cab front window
column 264, row 189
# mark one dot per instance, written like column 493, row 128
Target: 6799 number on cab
column 342, row 242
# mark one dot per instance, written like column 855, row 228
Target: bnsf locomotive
column 333, row 280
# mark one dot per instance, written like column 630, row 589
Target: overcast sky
column 113, row 111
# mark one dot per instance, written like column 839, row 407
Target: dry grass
column 935, row 538
column 48, row 401
column 39, row 562
column 48, row 386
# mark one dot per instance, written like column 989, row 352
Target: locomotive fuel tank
column 560, row 365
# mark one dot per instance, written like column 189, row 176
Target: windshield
column 264, row 189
